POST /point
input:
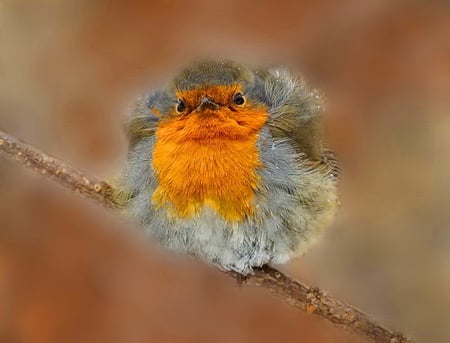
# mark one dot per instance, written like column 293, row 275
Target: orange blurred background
column 68, row 71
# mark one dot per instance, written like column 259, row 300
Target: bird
column 228, row 163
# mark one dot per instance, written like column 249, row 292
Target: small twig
column 60, row 172
column 303, row 297
column 314, row 301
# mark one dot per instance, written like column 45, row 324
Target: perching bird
column 228, row 164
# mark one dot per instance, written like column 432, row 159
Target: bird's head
column 211, row 100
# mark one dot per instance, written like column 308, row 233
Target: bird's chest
column 220, row 174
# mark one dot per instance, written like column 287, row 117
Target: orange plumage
column 209, row 158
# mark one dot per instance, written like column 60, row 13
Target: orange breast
column 208, row 161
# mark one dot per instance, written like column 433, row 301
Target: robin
column 228, row 164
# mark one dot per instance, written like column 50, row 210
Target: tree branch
column 303, row 297
column 60, row 172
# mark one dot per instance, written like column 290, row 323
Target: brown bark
column 52, row 168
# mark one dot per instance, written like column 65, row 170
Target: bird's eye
column 239, row 99
column 181, row 106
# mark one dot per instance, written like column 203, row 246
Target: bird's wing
column 332, row 163
column 328, row 164
column 296, row 113
column 142, row 122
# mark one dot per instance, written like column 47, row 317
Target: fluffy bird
column 228, row 164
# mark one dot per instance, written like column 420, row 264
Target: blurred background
column 70, row 271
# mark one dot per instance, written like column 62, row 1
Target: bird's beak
column 207, row 103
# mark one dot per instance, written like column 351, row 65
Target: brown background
column 68, row 71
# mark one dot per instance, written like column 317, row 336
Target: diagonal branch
column 60, row 172
column 303, row 297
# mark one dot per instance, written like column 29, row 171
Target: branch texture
column 303, row 297
column 60, row 172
